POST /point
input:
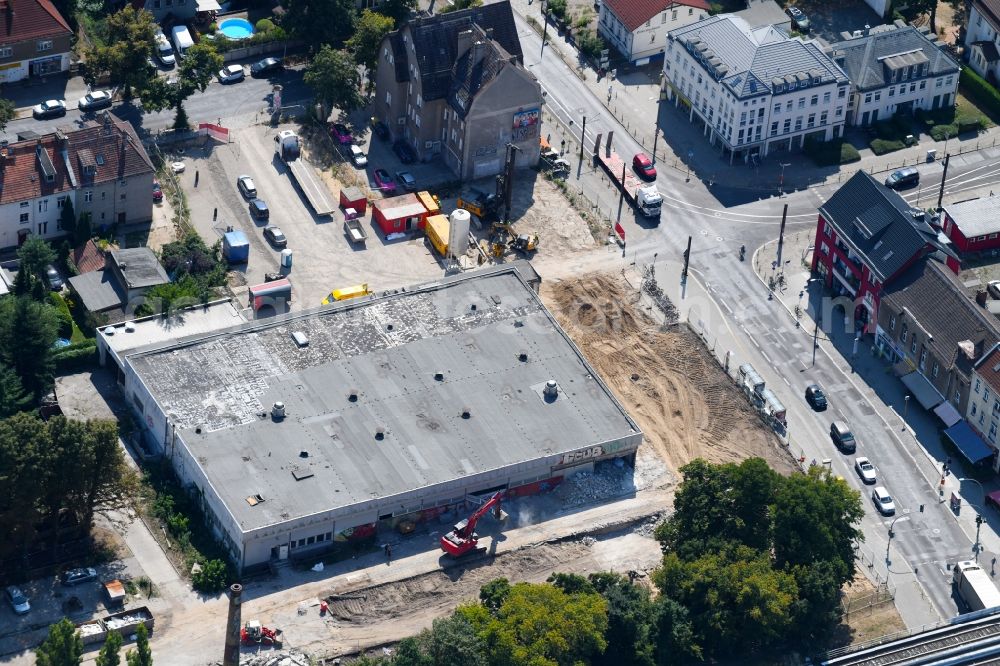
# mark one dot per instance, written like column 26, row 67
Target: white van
column 182, row 40
column 164, row 51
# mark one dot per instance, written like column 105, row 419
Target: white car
column 231, row 74
column 49, row 109
column 865, row 469
column 883, row 501
column 98, row 99
column 178, row 167
column 358, row 156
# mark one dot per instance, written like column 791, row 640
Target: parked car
column 17, row 599
column 164, row 51
column 259, row 210
column 358, row 156
column 92, row 101
column 384, row 182
column 341, row 134
column 644, row 166
column 842, row 436
column 883, row 501
column 266, row 66
column 381, row 130
column 157, row 191
column 49, row 109
column 903, row 178
column 815, row 397
column 53, row 278
column 275, row 236
column 404, row 152
column 231, row 74
column 77, row 576
column 799, row 20
column 865, row 469
column 178, row 167
column 246, row 187
column 406, row 179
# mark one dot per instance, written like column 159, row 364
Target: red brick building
column 866, row 236
column 973, row 225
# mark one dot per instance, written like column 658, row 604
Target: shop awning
column 968, row 442
column 947, row 413
column 994, row 498
column 922, row 390
column 208, row 6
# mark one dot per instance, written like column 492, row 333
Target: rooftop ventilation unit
column 278, row 411
column 551, row 390
column 300, row 339
column 352, row 395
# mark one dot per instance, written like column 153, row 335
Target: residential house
column 35, row 40
column 982, row 38
column 638, row 28
column 754, row 90
column 101, row 168
column 973, row 225
column 127, row 276
column 866, row 236
column 928, row 325
column 894, row 69
column 174, row 12
column 983, row 411
column 454, row 86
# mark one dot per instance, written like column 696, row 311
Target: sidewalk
column 29, row 92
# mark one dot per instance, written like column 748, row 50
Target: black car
column 381, row 130
column 259, row 209
column 404, row 152
column 799, row 19
column 816, row 397
column 266, row 66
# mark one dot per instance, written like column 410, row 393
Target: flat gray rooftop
column 386, row 350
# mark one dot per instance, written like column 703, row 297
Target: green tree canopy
column 369, row 31
column 398, row 10
column 320, row 24
column 13, row 397
column 63, row 647
column 28, row 330
column 198, row 68
column 335, row 81
column 130, row 34
column 110, row 654
column 34, row 257
column 142, row 655
column 7, row 113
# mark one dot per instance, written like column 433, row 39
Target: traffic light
column 979, row 519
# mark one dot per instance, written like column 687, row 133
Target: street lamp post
column 889, row 542
column 906, row 405
column 781, row 179
column 979, row 516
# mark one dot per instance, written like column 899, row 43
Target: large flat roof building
column 396, row 406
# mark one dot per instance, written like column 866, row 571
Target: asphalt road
column 761, row 332
column 237, row 101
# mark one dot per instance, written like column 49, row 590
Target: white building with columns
column 754, row 90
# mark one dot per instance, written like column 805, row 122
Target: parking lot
column 828, row 19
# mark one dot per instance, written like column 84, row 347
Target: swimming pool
column 236, row 28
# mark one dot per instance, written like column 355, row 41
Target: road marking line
column 726, row 305
column 764, row 355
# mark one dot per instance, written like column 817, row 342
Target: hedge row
column 831, row 153
column 75, row 357
column 980, row 91
column 883, row 146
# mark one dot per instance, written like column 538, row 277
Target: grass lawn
column 965, row 107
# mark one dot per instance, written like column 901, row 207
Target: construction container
column 126, row 622
column 399, row 214
column 277, row 295
column 235, row 247
column 352, row 197
column 750, row 380
column 430, row 202
column 438, row 233
column 458, row 235
column 92, row 632
column 114, row 593
column 773, row 405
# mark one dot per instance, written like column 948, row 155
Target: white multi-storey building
column 638, row 28
column 982, row 38
column 755, row 90
column 894, row 69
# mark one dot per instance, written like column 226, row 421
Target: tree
column 142, row 655
column 129, row 44
column 543, row 626
column 334, row 79
column 34, row 257
column 398, row 10
column 673, row 633
column 13, row 398
column 196, row 71
column 631, row 621
column 458, row 5
column 450, row 641
column 319, row 24
column 63, row 647
column 917, row 7
column 67, row 222
column 213, row 577
column 28, row 329
column 494, row 593
column 369, row 31
column 110, row 651
column 7, row 113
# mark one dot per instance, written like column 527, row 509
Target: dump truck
column 643, row 197
column 288, row 146
column 974, row 586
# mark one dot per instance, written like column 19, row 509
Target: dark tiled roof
column 399, row 56
column 22, row 20
column 140, row 267
column 633, row 13
column 877, row 223
column 989, row 50
column 863, row 57
column 436, row 42
column 933, row 295
column 473, row 71
column 111, row 145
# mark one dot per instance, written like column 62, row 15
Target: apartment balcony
column 846, row 277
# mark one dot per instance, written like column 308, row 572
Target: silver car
column 17, row 599
column 883, row 501
column 865, row 469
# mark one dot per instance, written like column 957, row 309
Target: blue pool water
column 236, row 28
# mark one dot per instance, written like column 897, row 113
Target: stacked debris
column 609, row 480
column 274, row 659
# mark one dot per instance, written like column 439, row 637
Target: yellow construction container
column 437, row 231
column 346, row 293
column 430, row 202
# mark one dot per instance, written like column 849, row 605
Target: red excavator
column 254, row 633
column 463, row 539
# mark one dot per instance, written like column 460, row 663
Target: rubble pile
column 648, row 528
column 125, row 620
column 274, row 659
column 585, row 487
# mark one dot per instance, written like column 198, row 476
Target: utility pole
column 583, row 136
column 815, row 340
column 781, row 236
column 656, row 135
column 944, row 177
column 509, row 181
column 621, row 191
column 687, row 260
column 545, row 24
column 979, row 523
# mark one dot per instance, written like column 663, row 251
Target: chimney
column 489, row 34
column 464, row 43
column 868, row 29
column 233, row 626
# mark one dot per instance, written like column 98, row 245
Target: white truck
column 288, row 146
column 974, row 586
column 182, row 40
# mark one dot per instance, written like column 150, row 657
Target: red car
column 644, row 166
column 157, row 192
column 341, row 134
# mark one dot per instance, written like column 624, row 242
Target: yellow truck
column 346, row 293
column 437, row 230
